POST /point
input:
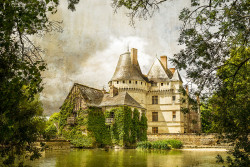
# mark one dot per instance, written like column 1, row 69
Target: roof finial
column 128, row 47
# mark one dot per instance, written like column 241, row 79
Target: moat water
column 127, row 158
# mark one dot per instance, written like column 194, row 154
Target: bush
column 83, row 141
column 175, row 143
column 50, row 132
column 160, row 144
column 144, row 145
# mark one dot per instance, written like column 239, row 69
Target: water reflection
column 125, row 158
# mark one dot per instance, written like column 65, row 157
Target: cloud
column 93, row 37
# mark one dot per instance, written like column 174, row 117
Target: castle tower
column 128, row 77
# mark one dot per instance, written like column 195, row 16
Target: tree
column 229, row 107
column 216, row 35
column 20, row 73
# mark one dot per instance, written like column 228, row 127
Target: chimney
column 172, row 70
column 164, row 61
column 134, row 56
column 113, row 91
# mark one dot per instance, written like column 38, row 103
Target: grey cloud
column 93, row 37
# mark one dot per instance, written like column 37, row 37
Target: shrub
column 83, row 141
column 50, row 132
column 144, row 145
column 175, row 143
column 160, row 144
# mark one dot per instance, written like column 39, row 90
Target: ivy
column 97, row 128
column 143, row 128
column 125, row 130
column 135, row 133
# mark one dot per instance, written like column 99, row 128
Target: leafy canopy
column 21, row 65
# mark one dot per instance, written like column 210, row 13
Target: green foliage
column 124, row 131
column 135, row 129
column 160, row 144
column 50, row 132
column 175, row 143
column 144, row 145
column 83, row 142
column 120, row 128
column 96, row 126
column 20, row 72
column 206, row 118
column 65, row 112
column 229, row 106
column 143, row 128
column 127, row 130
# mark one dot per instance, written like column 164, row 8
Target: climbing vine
column 91, row 130
column 127, row 128
column 135, row 130
column 97, row 128
column 143, row 128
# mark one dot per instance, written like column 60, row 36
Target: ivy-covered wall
column 90, row 129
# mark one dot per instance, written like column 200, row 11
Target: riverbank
column 193, row 140
column 65, row 145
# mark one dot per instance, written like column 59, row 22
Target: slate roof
column 123, row 98
column 92, row 96
column 125, row 70
column 158, row 73
column 176, row 76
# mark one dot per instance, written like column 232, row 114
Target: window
column 161, row 84
column 123, row 81
column 154, row 116
column 173, row 98
column 167, row 83
column 154, row 130
column 174, row 115
column 130, row 82
column 135, row 82
column 117, row 82
column 154, row 84
column 141, row 83
column 154, row 99
column 112, row 115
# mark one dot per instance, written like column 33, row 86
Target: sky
column 92, row 40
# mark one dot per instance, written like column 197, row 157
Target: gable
column 157, row 73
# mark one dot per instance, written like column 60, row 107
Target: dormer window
column 130, row 82
column 161, row 84
column 141, row 83
column 135, row 82
column 123, row 81
column 117, row 82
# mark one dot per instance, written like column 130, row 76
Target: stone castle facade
column 157, row 94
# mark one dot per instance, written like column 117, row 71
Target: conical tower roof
column 125, row 70
column 158, row 73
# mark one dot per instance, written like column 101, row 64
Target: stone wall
column 192, row 140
